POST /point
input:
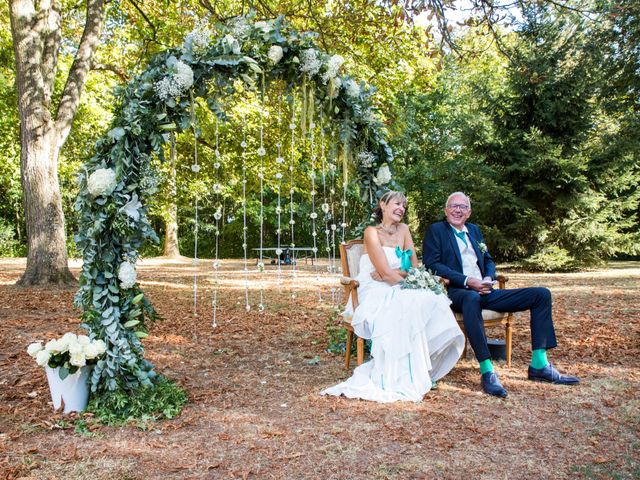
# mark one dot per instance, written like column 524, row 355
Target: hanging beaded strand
column 243, row 145
column 279, row 163
column 217, row 216
column 261, row 153
column 313, row 215
column 195, row 168
column 292, row 222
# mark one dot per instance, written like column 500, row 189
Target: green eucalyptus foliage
column 162, row 400
column 114, row 226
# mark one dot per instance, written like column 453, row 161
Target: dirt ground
column 253, row 382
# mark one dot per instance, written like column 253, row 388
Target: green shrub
column 164, row 399
column 550, row 259
column 9, row 246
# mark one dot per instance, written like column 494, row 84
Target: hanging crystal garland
column 313, row 215
column 292, row 222
column 279, row 164
column 325, row 207
column 332, row 190
column 343, row 202
column 217, row 216
column 195, row 168
column 243, row 145
column 261, row 153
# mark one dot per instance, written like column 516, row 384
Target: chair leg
column 464, row 351
column 347, row 350
column 360, row 350
column 507, row 339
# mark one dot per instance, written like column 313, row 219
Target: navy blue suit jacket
column 440, row 253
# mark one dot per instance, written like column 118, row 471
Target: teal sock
column 486, row 366
column 539, row 358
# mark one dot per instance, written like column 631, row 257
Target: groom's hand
column 479, row 286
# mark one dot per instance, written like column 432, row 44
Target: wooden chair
column 492, row 319
column 350, row 254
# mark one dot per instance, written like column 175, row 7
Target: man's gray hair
column 455, row 194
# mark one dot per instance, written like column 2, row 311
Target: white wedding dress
column 415, row 339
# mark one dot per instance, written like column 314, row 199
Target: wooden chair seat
column 350, row 254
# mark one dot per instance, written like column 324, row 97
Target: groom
column 455, row 250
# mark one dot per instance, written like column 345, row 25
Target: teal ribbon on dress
column 405, row 258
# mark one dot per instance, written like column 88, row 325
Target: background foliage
column 537, row 121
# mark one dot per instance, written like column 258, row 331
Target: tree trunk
column 171, row 246
column 46, row 242
column 36, row 32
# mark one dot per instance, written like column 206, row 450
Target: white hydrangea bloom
column 127, row 275
column 102, row 182
column 333, row 66
column 384, row 175
column 310, row 63
column 179, row 79
column 275, row 54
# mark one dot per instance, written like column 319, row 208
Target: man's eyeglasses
column 460, row 206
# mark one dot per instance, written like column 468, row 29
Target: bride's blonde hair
column 385, row 199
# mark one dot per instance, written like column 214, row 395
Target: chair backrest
column 350, row 254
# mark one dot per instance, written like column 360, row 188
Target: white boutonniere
column 482, row 247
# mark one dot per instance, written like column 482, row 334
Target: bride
column 415, row 339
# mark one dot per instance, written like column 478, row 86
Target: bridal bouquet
column 69, row 353
column 418, row 277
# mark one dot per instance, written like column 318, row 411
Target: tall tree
column 45, row 124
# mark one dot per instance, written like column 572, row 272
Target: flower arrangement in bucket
column 68, row 361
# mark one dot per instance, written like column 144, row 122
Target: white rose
column 78, row 360
column 127, row 275
column 83, row 340
column 34, row 348
column 90, row 351
column 275, row 54
column 101, row 182
column 55, row 346
column 42, row 357
column 75, row 348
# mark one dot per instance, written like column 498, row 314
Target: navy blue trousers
column 536, row 299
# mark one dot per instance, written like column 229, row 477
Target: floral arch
column 114, row 183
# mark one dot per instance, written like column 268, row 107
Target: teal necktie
column 462, row 236
column 405, row 258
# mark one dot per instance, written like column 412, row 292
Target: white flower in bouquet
column 42, row 357
column 384, row 175
column 275, row 54
column 333, row 67
column 69, row 352
column 77, row 359
column 34, row 348
column 239, row 26
column 101, row 182
column 310, row 63
column 419, row 278
column 352, row 88
column 127, row 275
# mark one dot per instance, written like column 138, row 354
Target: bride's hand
column 376, row 276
